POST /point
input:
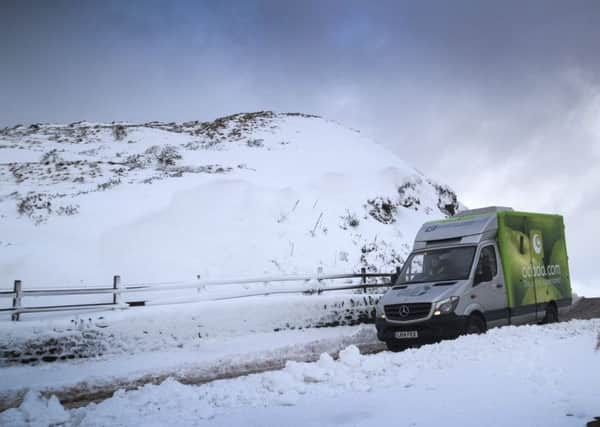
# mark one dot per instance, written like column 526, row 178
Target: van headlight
column 446, row 306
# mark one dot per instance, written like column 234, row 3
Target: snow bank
column 148, row 329
column 38, row 411
column 210, row 359
column 529, row 375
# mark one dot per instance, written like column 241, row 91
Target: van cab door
column 488, row 286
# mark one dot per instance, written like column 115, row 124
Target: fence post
column 319, row 282
column 363, row 273
column 116, row 287
column 16, row 300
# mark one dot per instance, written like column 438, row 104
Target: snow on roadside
column 212, row 358
column 186, row 326
column 529, row 375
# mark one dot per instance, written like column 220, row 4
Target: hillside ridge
column 305, row 191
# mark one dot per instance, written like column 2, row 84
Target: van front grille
column 408, row 311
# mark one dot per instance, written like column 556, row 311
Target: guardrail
column 118, row 290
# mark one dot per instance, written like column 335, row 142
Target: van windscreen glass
column 437, row 265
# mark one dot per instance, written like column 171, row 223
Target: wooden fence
column 119, row 290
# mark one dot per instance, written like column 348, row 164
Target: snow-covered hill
column 248, row 194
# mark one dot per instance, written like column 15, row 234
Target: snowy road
column 530, row 375
column 81, row 381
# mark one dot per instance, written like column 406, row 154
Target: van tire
column 475, row 325
column 395, row 346
column 551, row 315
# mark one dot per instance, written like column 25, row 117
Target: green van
column 479, row 269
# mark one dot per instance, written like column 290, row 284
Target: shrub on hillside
column 168, row 156
column 119, row 132
column 383, row 210
column 51, row 156
column 108, row 184
column 349, row 220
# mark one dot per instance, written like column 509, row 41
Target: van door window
column 487, row 268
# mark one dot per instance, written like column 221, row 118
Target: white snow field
column 513, row 376
column 245, row 195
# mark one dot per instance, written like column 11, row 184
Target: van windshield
column 438, row 265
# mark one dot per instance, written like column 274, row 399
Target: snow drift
column 527, row 375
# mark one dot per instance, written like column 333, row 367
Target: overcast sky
column 498, row 99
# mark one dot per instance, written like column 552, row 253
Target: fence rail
column 118, row 291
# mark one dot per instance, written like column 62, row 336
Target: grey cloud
column 485, row 96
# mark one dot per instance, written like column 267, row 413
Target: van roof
column 467, row 223
column 481, row 211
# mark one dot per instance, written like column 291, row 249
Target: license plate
column 406, row 334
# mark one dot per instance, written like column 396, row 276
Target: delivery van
column 480, row 269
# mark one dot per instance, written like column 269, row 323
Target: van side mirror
column 394, row 276
column 483, row 274
column 478, row 278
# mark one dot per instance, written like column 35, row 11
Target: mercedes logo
column 404, row 310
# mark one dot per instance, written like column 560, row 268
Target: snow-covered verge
column 521, row 376
column 245, row 195
column 85, row 380
column 182, row 326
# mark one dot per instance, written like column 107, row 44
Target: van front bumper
column 431, row 330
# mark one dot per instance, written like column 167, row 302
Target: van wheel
column 475, row 325
column 395, row 346
column 551, row 314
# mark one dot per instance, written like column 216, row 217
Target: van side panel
column 534, row 259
